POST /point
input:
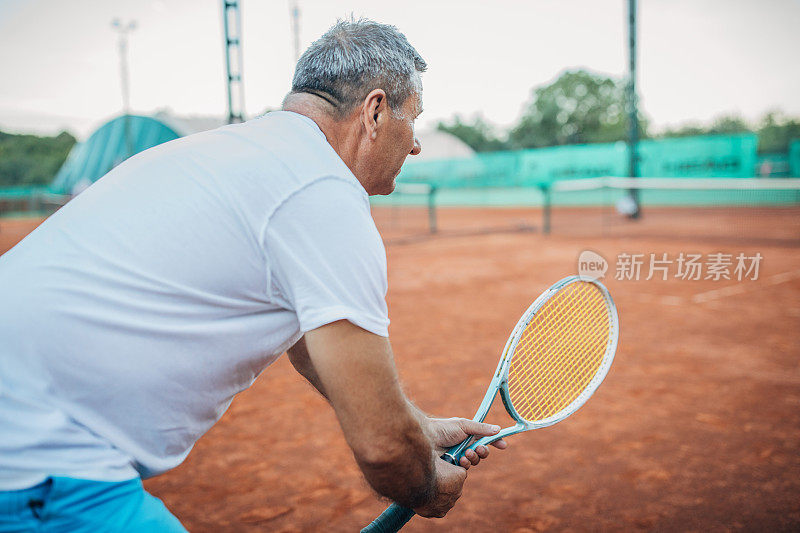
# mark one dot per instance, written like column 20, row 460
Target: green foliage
column 775, row 131
column 478, row 135
column 726, row 124
column 579, row 107
column 29, row 160
column 584, row 107
column 686, row 130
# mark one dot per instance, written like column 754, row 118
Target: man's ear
column 374, row 111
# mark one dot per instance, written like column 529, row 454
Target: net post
column 545, row 188
column 432, row 209
column 633, row 114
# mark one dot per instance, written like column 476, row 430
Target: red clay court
column 696, row 428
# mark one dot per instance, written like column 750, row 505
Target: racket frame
column 500, row 380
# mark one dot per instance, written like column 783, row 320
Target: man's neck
column 342, row 134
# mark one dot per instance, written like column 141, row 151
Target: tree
column 724, row 124
column 28, row 160
column 727, row 124
column 584, row 107
column 775, row 131
column 478, row 135
column 685, row 130
column 579, row 107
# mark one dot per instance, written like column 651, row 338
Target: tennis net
column 751, row 209
column 409, row 212
column 747, row 209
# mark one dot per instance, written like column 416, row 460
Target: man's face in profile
column 395, row 143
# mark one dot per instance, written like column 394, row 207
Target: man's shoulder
column 293, row 143
column 302, row 148
column 332, row 193
column 272, row 156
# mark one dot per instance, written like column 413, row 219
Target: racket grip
column 391, row 520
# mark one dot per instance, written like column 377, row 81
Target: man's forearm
column 422, row 419
column 298, row 355
column 354, row 369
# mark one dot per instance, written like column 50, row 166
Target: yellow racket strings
column 559, row 352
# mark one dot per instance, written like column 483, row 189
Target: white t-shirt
column 131, row 317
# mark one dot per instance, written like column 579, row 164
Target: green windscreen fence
column 518, row 177
column 707, row 156
column 794, row 158
column 23, row 200
column 17, row 193
column 774, row 165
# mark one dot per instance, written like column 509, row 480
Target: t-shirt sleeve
column 326, row 259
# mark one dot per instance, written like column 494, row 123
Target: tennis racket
column 556, row 357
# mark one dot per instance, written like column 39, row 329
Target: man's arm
column 298, row 355
column 442, row 433
column 355, row 370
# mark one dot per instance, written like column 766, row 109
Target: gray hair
column 354, row 57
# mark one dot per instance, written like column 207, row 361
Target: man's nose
column 417, row 147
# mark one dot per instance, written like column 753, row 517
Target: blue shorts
column 62, row 504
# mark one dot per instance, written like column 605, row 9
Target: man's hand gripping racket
column 556, row 357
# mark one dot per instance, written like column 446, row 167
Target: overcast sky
column 698, row 59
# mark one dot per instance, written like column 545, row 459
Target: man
column 131, row 318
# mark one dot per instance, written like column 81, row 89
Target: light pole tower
column 295, row 12
column 232, row 27
column 633, row 114
column 124, row 30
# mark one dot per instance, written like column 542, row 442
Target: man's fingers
column 475, row 456
column 500, row 444
column 472, row 427
column 482, row 452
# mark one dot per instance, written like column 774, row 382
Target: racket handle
column 391, row 520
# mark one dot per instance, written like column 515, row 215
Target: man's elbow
column 398, row 471
column 379, row 454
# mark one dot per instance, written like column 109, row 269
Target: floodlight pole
column 295, row 12
column 123, row 30
column 633, row 115
column 232, row 27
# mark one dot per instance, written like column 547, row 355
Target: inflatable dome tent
column 117, row 140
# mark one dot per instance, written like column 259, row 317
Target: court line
column 742, row 288
column 665, row 300
column 716, row 294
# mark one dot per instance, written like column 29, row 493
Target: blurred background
column 503, row 77
column 648, row 136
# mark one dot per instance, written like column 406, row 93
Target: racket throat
column 454, row 454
